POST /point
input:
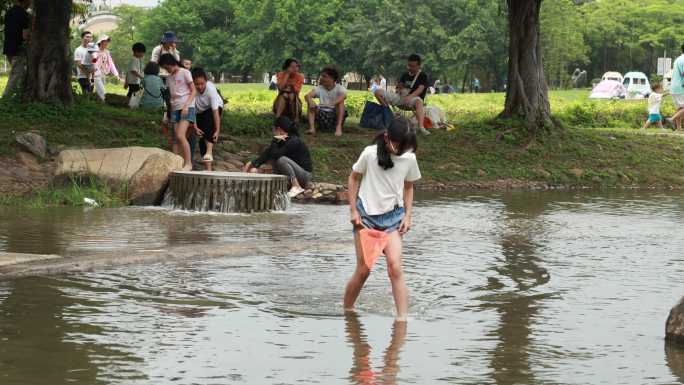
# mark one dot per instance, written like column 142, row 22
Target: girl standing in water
column 386, row 171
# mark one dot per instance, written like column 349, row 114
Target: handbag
column 376, row 116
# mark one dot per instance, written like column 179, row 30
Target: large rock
column 115, row 165
column 674, row 327
column 148, row 184
column 28, row 160
column 33, row 143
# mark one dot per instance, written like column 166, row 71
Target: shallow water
column 523, row 288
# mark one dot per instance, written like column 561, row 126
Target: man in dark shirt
column 17, row 23
column 410, row 92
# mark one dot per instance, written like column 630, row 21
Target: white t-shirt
column 156, row 54
column 381, row 190
column 654, row 102
column 210, row 99
column 383, row 83
column 179, row 89
column 328, row 97
column 80, row 55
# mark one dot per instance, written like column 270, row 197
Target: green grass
column 600, row 138
column 73, row 195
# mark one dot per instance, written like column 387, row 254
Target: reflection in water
column 28, row 235
column 362, row 372
column 674, row 355
column 28, row 346
column 39, row 335
column 510, row 360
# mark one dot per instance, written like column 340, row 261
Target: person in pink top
column 182, row 93
column 103, row 66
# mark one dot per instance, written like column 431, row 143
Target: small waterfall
column 226, row 192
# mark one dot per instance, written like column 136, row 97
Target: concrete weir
column 226, row 192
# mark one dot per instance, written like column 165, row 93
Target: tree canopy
column 459, row 40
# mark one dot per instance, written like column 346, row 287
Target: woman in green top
column 153, row 97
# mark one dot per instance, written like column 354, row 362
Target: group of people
column 193, row 103
column 330, row 113
column 381, row 181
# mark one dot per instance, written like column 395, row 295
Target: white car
column 608, row 89
column 637, row 85
column 612, row 75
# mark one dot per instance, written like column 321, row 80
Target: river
column 515, row 288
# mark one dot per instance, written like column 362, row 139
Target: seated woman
column 288, row 155
column 290, row 82
column 153, row 97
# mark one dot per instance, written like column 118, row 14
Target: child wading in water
column 384, row 202
column 654, row 102
column 182, row 91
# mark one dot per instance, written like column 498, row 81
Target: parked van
column 637, row 85
column 612, row 75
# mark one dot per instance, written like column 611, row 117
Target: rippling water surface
column 524, row 288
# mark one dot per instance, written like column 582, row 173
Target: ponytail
column 400, row 130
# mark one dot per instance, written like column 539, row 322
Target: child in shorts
column 384, row 201
column 209, row 107
column 134, row 74
column 182, row 94
column 654, row 102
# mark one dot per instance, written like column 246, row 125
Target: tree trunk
column 527, row 91
column 465, row 80
column 49, row 59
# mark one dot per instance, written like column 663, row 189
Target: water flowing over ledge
column 226, row 192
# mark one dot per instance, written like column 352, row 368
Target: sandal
column 207, row 158
column 295, row 191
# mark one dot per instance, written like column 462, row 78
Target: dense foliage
column 460, row 39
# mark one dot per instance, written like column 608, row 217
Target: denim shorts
column 177, row 117
column 387, row 222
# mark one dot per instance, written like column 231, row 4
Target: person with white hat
column 103, row 66
column 167, row 45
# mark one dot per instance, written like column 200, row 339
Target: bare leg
column 183, row 145
column 679, row 114
column 358, row 279
column 420, row 113
column 210, row 147
column 660, row 124
column 396, row 276
column 676, row 119
column 280, row 105
column 311, row 113
column 174, row 142
column 646, row 125
column 340, row 119
column 420, row 116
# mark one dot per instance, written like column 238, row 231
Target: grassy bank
column 73, row 195
column 600, row 146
